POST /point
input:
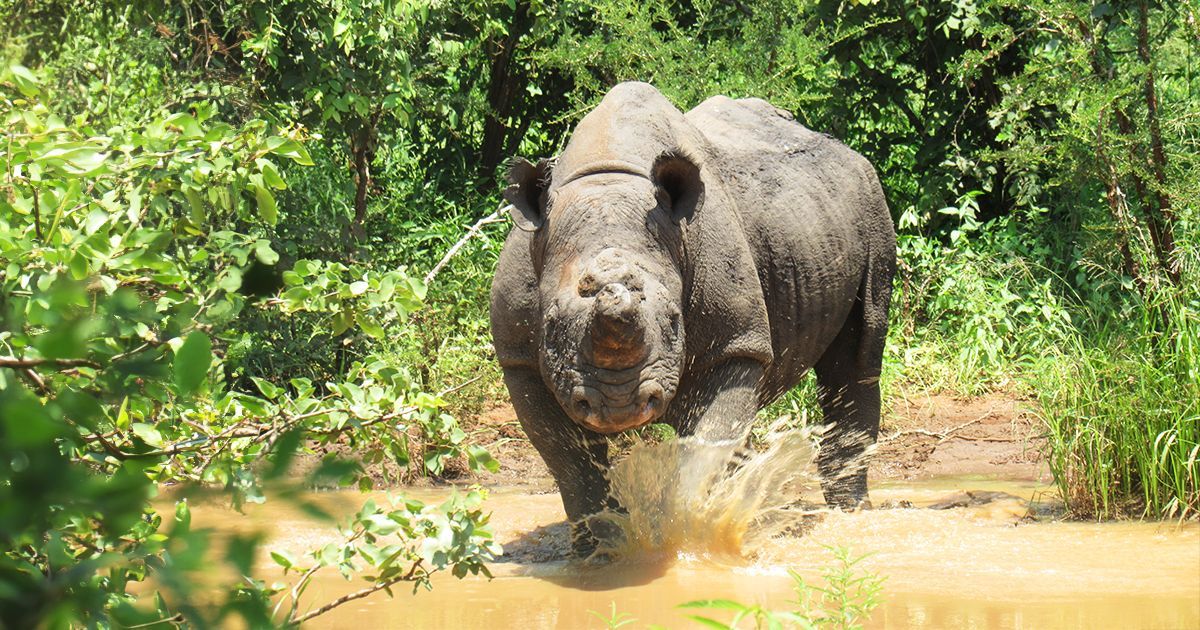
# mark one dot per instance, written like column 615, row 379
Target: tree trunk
column 505, row 85
column 1158, row 157
column 362, row 150
column 1136, row 154
column 1125, row 224
column 1117, row 208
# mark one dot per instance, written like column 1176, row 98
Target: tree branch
column 357, row 595
column 942, row 436
column 16, row 363
column 494, row 217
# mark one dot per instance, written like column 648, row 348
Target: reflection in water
column 968, row 567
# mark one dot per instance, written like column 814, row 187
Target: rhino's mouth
column 611, row 401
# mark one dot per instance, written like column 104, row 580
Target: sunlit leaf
column 27, row 84
column 192, row 361
column 267, row 206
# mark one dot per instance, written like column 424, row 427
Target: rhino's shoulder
column 515, row 304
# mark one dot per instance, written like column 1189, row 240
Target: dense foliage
column 121, row 287
column 213, row 214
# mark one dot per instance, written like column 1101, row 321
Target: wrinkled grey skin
column 689, row 269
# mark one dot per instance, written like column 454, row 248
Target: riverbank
column 923, row 436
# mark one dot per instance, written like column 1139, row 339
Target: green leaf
column 341, row 24
column 294, row 151
column 231, row 281
column 372, row 327
column 267, row 208
column 719, row 604
column 270, row 173
column 479, row 458
column 283, row 559
column 78, row 266
column 147, row 433
column 264, row 253
column 26, row 82
column 711, row 623
column 196, row 204
column 285, row 453
column 342, row 321
column 192, row 361
column 268, row 389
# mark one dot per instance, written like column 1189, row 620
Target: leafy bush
column 120, row 293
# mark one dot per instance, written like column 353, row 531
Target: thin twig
column 38, row 382
column 494, row 217
column 295, row 593
column 176, row 618
column 357, row 595
column 262, row 431
column 37, row 214
column 455, row 388
column 980, row 438
column 941, row 435
column 128, row 353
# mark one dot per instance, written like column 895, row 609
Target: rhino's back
column 806, row 202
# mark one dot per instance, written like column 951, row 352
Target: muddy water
column 966, row 567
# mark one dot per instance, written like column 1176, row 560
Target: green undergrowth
column 1122, row 411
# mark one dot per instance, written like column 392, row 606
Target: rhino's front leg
column 576, row 457
column 719, row 404
column 717, row 410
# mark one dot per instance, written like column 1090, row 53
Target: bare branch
column 942, row 436
column 494, row 217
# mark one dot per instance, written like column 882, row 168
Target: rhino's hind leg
column 848, row 391
column 576, row 457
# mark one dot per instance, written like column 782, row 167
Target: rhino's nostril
column 581, row 403
column 651, row 395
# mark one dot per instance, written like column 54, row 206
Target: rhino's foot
column 595, row 536
column 848, row 501
column 600, row 559
column 583, row 542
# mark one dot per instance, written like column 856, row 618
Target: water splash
column 690, row 497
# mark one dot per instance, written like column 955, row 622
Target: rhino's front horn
column 618, row 337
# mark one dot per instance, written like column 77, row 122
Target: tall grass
column 1122, row 408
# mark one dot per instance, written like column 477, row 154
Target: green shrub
column 1123, row 412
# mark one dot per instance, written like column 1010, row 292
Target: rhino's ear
column 526, row 192
column 677, row 175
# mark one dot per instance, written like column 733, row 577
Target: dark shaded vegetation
column 215, row 219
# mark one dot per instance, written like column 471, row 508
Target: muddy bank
column 923, row 436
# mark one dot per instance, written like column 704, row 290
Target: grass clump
column 1123, row 416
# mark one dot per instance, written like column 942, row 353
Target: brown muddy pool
column 966, row 567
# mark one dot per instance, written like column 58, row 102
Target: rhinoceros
column 689, row 269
